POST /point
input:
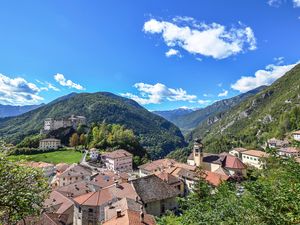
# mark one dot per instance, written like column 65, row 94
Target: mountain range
column 188, row 119
column 272, row 112
column 155, row 133
column 10, row 110
column 244, row 120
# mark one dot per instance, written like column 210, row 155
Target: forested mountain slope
column 156, row 134
column 275, row 111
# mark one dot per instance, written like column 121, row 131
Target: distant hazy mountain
column 187, row 119
column 156, row 134
column 171, row 115
column 10, row 110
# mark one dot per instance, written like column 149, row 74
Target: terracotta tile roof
column 54, row 219
column 117, row 154
column 123, row 204
column 290, row 150
column 221, row 171
column 183, row 173
column 130, row 217
column 94, row 198
column 76, row 170
column 105, row 179
column 78, row 188
column 278, row 142
column 215, row 179
column 162, row 164
column 107, row 194
column 61, row 167
column 152, row 188
column 232, row 162
column 167, row 177
column 256, row 153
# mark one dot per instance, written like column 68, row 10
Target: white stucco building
column 49, row 143
column 119, row 160
column 296, row 135
column 254, row 158
column 94, row 154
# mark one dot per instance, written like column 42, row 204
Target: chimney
column 119, row 213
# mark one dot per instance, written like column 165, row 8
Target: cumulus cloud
column 60, row 78
column 172, row 52
column 157, row 93
column 262, row 77
column 223, row 94
column 296, row 3
column 18, row 91
column 212, row 40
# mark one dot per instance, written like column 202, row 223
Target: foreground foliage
column 22, row 191
column 271, row 196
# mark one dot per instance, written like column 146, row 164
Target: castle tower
column 198, row 152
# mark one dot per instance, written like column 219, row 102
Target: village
column 112, row 192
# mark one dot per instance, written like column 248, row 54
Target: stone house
column 156, row 195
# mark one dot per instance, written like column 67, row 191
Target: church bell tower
column 198, row 152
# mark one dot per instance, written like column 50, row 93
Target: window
column 79, row 209
column 91, row 210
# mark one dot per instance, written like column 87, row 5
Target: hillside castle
column 74, row 121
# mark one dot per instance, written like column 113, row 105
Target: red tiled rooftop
column 130, row 217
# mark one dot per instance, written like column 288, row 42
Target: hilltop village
column 105, row 187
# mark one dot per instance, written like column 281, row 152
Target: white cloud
column 173, row 52
column 262, row 77
column 296, row 3
column 223, row 94
column 277, row 3
column 157, row 93
column 204, row 102
column 18, row 91
column 51, row 86
column 47, row 86
column 213, row 40
column 274, row 3
column 199, row 59
column 60, row 78
column 279, row 60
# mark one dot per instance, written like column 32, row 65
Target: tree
column 22, row 191
column 82, row 139
column 74, row 140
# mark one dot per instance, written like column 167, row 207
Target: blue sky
column 164, row 54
